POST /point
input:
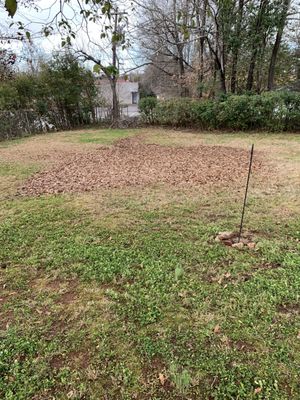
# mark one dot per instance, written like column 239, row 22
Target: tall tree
column 236, row 45
column 164, row 32
column 257, row 37
column 201, row 17
column 282, row 17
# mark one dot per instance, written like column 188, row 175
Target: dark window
column 134, row 97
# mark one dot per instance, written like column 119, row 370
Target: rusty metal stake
column 246, row 194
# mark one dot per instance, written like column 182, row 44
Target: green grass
column 98, row 305
column 103, row 136
column 18, row 170
column 11, row 142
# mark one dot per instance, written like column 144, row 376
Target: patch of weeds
column 23, row 368
column 17, row 170
column 103, row 310
column 180, row 378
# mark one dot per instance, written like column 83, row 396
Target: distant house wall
column 128, row 92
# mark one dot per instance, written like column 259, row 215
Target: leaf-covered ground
column 132, row 162
column 123, row 293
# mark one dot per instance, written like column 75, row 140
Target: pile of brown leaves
column 130, row 162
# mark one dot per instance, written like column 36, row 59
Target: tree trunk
column 220, row 56
column 260, row 64
column 236, row 49
column 223, row 81
column 179, row 49
column 257, row 38
column 114, row 76
column 218, row 67
column 115, row 100
column 281, row 25
column 250, row 78
column 201, row 28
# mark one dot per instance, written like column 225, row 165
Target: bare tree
column 165, row 37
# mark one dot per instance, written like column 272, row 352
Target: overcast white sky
column 35, row 19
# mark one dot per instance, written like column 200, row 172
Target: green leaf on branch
column 97, row 68
column 111, row 70
column 106, row 8
column 11, row 7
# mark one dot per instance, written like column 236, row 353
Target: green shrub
column 175, row 112
column 8, row 97
column 147, row 106
column 275, row 111
column 204, row 114
column 292, row 104
column 186, row 113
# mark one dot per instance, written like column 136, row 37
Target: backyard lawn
column 113, row 285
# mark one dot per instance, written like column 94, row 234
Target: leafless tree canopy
column 211, row 46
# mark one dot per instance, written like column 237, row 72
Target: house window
column 134, row 96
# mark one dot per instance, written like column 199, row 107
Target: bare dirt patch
column 131, row 162
column 289, row 309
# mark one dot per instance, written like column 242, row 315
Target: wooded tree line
column 227, row 46
column 196, row 48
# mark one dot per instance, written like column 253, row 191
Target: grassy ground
column 124, row 294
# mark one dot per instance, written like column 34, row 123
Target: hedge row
column 275, row 111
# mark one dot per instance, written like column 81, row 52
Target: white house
column 128, row 92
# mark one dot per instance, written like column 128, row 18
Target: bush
column 275, row 111
column 175, row 112
column 8, row 97
column 62, row 94
column 147, row 106
column 292, row 108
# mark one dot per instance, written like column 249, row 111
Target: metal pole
column 246, row 193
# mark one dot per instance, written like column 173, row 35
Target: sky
column 87, row 39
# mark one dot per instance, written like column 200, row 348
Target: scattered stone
column 226, row 235
column 239, row 245
column 245, row 241
column 257, row 390
column 162, row 379
column 227, row 242
column 231, row 239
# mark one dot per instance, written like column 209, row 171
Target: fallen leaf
column 217, row 329
column 131, row 162
column 162, row 379
column 257, row 390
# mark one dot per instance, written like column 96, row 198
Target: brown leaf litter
column 130, row 162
